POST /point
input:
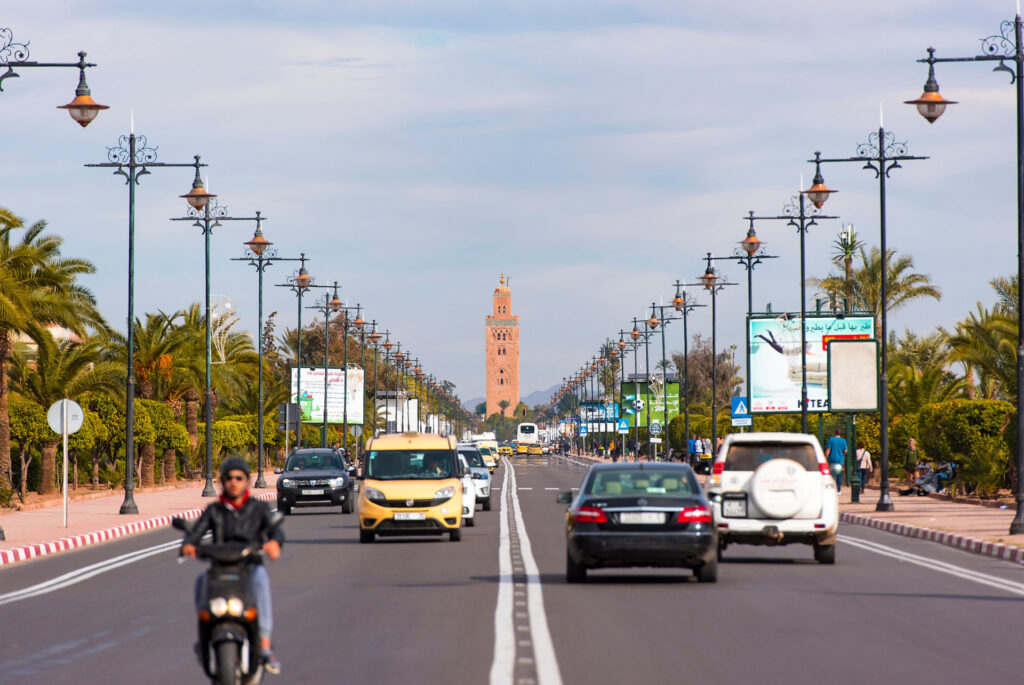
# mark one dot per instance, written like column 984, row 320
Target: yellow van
column 412, row 485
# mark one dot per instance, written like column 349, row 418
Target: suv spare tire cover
column 779, row 488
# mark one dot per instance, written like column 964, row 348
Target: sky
column 593, row 150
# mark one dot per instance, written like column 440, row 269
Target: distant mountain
column 470, row 404
column 540, row 396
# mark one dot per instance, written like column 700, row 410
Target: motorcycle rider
column 236, row 517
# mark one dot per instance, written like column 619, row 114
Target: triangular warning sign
column 740, row 408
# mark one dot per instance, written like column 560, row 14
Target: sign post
column 65, row 417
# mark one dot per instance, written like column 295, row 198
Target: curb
column 996, row 550
column 67, row 544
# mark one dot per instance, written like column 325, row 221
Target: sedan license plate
column 312, row 492
column 649, row 518
column 734, row 508
column 410, row 516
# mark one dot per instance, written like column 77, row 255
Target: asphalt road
column 495, row 608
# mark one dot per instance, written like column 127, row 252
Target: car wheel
column 720, row 550
column 469, row 522
column 284, row 508
column 347, row 505
column 455, row 535
column 574, row 573
column 365, row 536
column 708, row 573
column 486, row 504
column 825, row 554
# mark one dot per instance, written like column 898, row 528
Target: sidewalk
column 973, row 528
column 39, row 531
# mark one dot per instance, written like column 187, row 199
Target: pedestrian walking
column 864, row 464
column 691, row 449
column 910, row 459
column 836, row 448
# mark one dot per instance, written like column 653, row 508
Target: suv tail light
column 586, row 514
column 823, row 467
column 698, row 514
column 717, row 468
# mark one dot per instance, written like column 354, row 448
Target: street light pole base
column 128, row 506
column 260, row 481
column 1016, row 526
column 208, row 490
column 884, row 502
column 2, row 536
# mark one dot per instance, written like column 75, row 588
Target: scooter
column 228, row 646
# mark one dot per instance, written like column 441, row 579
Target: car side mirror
column 565, row 497
column 278, row 470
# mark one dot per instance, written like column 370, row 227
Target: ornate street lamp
column 299, row 282
column 684, row 305
column 713, row 283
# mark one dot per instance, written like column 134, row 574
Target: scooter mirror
column 278, row 470
column 276, row 519
column 180, row 524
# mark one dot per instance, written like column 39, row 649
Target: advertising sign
column 312, row 400
column 636, row 397
column 775, row 374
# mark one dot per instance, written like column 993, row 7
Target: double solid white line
column 505, row 640
column 934, row 564
column 86, row 572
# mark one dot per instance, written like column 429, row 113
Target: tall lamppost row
column 133, row 158
column 684, row 305
column 1007, row 46
column 298, row 283
column 713, row 283
column 330, row 305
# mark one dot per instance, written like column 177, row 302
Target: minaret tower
column 502, row 353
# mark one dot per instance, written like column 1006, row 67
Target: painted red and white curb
column 26, row 552
column 996, row 550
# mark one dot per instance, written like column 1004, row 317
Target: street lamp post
column 260, row 255
column 398, row 356
column 749, row 254
column 647, row 380
column 132, row 158
column 664, row 321
column 298, row 283
column 330, row 305
column 1007, row 46
column 802, row 218
column 714, row 283
column 83, row 109
column 684, row 305
column 881, row 154
column 358, row 325
column 375, row 341
column 206, row 214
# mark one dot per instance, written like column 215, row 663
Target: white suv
column 774, row 489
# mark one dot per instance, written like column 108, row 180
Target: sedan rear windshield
column 473, row 457
column 323, row 461
column 648, row 481
column 411, row 465
column 747, row 457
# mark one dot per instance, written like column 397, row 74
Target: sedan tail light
column 588, row 514
column 698, row 514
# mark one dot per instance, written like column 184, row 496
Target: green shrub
column 973, row 433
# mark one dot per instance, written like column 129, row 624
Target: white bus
column 526, row 435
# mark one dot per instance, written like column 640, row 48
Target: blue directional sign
column 583, row 429
column 623, row 425
column 741, row 412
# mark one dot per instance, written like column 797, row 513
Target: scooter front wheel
column 228, row 672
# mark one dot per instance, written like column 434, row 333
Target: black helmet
column 234, row 464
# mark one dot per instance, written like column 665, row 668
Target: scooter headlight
column 218, row 606
column 235, row 606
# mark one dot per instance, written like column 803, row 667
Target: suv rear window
column 747, row 457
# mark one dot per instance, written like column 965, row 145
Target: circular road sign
column 655, row 428
column 55, row 419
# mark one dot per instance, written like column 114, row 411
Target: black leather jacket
column 249, row 524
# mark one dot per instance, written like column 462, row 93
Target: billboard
column 636, row 398
column 312, row 400
column 775, row 374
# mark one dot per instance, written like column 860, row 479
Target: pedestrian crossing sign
column 741, row 412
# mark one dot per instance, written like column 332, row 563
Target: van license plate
column 410, row 516
column 734, row 508
column 650, row 518
column 312, row 492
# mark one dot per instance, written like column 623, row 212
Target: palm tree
column 67, row 369
column 986, row 344
column 503, row 405
column 37, row 287
column 864, row 287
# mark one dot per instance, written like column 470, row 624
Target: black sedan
column 640, row 514
column 317, row 477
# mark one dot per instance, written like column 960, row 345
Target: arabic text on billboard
column 775, row 371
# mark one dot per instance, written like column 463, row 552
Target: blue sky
column 593, row 150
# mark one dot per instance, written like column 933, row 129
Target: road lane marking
column 86, row 572
column 936, row 565
column 519, row 613
column 550, row 488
